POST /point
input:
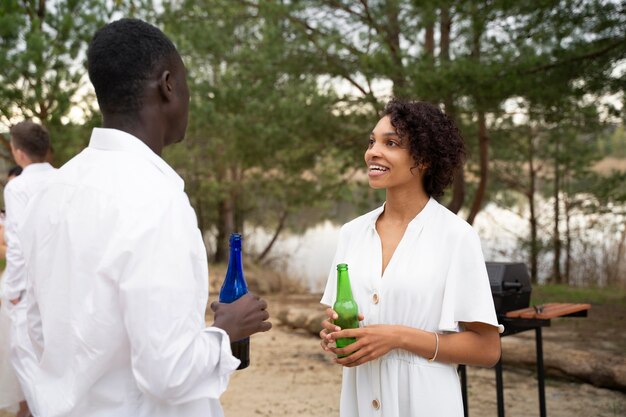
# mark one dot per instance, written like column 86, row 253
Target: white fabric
column 10, row 391
column 118, row 287
column 17, row 193
column 435, row 279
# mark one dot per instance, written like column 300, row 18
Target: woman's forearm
column 478, row 345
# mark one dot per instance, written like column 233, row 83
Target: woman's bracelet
column 436, row 347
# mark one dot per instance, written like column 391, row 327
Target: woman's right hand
column 327, row 328
column 328, row 345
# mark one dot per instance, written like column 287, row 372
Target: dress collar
column 430, row 206
column 117, row 140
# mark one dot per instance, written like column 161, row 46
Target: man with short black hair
column 116, row 263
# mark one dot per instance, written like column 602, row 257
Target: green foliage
column 547, row 293
column 285, row 92
column 263, row 138
column 42, row 50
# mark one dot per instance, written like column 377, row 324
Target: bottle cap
column 342, row 267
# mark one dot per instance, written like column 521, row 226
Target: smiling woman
column 417, row 273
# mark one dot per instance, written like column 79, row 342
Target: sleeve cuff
column 454, row 326
column 227, row 362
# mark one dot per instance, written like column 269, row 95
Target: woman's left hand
column 371, row 343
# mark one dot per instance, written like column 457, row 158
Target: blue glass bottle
column 233, row 288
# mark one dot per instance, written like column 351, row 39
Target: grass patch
column 564, row 294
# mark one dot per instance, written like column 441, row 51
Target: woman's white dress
column 435, row 279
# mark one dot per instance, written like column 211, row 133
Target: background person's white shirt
column 118, row 287
column 17, row 194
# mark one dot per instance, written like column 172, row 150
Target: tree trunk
column 226, row 211
column 429, row 40
column 458, row 185
column 534, row 245
column 281, row 224
column 613, row 276
column 483, row 141
column 556, row 238
column 392, row 32
column 568, row 238
column 429, row 34
column 225, row 226
column 237, row 199
column 445, row 24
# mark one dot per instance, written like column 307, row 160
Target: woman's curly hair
column 434, row 141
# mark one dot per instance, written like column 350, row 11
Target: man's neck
column 137, row 126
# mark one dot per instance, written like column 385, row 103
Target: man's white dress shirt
column 17, row 194
column 118, row 287
column 435, row 280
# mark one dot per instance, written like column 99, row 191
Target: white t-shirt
column 435, row 279
column 117, row 290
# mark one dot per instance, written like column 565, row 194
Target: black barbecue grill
column 510, row 288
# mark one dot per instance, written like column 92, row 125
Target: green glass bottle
column 345, row 306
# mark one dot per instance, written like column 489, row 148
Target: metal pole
column 500, row 388
column 540, row 373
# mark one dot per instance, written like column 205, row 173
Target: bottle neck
column 234, row 261
column 234, row 285
column 344, row 291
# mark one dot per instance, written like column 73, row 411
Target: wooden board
column 548, row 311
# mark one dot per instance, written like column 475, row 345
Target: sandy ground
column 289, row 375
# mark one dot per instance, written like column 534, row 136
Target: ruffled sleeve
column 467, row 294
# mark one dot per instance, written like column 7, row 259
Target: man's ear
column 19, row 156
column 165, row 85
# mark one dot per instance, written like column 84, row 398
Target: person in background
column 11, row 395
column 417, row 274
column 118, row 278
column 14, row 171
column 30, row 145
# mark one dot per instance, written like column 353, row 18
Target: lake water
column 308, row 256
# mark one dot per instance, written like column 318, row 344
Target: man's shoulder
column 122, row 176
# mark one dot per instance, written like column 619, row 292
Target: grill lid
column 510, row 285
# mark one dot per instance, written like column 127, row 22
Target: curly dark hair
column 32, row 138
column 434, row 141
column 122, row 57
